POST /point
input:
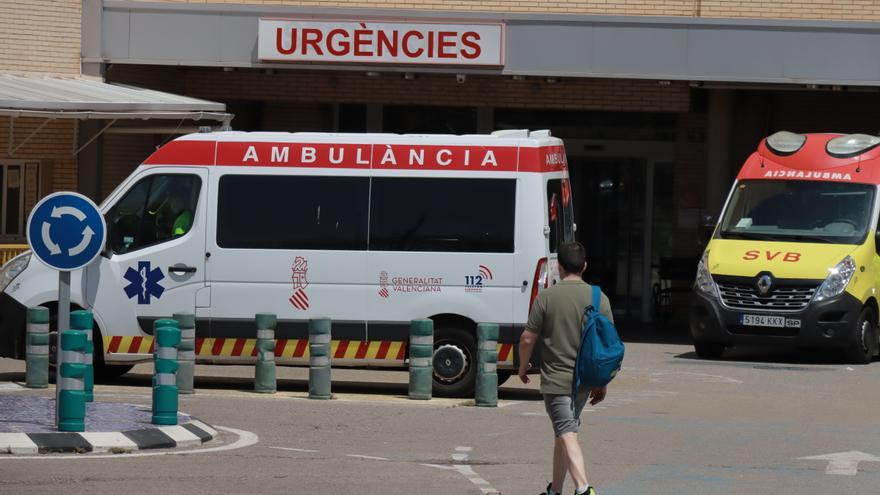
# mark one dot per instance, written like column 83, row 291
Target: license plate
column 769, row 321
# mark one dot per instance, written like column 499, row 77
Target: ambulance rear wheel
column 862, row 350
column 455, row 367
column 708, row 350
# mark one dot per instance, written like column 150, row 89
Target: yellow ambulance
column 794, row 258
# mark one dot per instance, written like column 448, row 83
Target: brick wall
column 122, row 154
column 864, row 10
column 441, row 90
column 40, row 35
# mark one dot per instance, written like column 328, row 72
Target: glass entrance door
column 610, row 210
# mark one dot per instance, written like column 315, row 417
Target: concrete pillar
column 720, row 149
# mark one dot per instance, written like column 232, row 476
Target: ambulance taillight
column 541, row 281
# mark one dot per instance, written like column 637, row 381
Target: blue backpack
column 601, row 351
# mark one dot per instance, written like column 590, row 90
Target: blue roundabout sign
column 66, row 231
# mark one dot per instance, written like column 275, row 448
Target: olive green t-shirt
column 557, row 318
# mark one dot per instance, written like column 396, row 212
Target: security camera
column 460, row 78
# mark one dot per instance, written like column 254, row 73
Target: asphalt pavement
column 757, row 422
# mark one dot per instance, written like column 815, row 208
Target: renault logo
column 764, row 283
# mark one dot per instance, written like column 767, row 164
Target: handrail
column 9, row 251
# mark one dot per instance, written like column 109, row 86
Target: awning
column 82, row 98
column 75, row 97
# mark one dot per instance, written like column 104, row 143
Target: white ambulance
column 371, row 230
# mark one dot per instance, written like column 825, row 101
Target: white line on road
column 373, row 458
column 466, row 470
column 294, row 450
column 843, row 463
column 245, row 439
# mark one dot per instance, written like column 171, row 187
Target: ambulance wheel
column 709, row 350
column 864, row 347
column 102, row 371
column 455, row 369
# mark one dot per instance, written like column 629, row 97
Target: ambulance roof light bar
column 784, row 143
column 851, row 145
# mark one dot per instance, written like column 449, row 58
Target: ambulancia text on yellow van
column 794, row 258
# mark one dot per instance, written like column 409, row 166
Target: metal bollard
column 186, row 352
column 167, row 337
column 319, row 358
column 487, row 376
column 82, row 320
column 71, row 397
column 421, row 353
column 264, row 370
column 37, row 360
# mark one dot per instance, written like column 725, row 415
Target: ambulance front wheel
column 455, row 366
column 103, row 371
column 864, row 345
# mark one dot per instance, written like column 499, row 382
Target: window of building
column 157, row 208
column 19, row 185
column 457, row 215
column 282, row 212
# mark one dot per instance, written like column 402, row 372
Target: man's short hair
column 572, row 256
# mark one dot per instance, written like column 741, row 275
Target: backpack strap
column 597, row 297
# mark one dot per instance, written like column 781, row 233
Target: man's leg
column 575, row 456
column 560, row 465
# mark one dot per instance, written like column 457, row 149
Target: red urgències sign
column 381, row 42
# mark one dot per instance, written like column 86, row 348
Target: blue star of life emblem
column 144, row 282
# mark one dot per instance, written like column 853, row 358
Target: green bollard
column 167, row 338
column 421, row 353
column 319, row 358
column 71, row 397
column 37, row 358
column 82, row 320
column 487, row 375
column 186, row 352
column 264, row 370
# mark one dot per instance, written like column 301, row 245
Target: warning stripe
column 504, row 353
column 128, row 344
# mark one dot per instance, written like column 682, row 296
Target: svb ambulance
column 371, row 230
column 794, row 259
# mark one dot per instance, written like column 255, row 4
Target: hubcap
column 450, row 363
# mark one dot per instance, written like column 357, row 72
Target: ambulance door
column 294, row 246
column 155, row 262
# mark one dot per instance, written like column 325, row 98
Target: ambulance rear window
column 560, row 213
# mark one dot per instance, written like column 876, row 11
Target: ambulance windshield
column 799, row 211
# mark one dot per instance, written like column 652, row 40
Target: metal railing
column 9, row 251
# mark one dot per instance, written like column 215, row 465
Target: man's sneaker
column 590, row 491
column 547, row 490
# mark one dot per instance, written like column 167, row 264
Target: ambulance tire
column 709, row 350
column 102, row 371
column 864, row 347
column 455, row 367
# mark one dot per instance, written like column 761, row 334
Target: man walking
column 556, row 318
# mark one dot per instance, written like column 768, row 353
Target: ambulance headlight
column 13, row 269
column 704, row 280
column 785, row 143
column 851, row 145
column 837, row 280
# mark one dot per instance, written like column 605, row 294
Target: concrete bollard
column 71, row 397
column 82, row 320
column 186, row 352
column 264, row 370
column 421, row 353
column 167, row 337
column 37, row 360
column 319, row 358
column 487, row 375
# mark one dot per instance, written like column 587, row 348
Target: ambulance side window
column 442, row 215
column 156, row 209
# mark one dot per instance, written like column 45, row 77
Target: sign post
column 65, row 231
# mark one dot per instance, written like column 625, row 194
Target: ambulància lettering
column 411, row 157
column 810, row 174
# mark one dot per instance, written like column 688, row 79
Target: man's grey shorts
column 563, row 418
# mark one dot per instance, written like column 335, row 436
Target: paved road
column 672, row 424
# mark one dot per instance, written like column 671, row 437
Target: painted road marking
column 466, row 470
column 294, row 450
column 245, row 439
column 370, row 457
column 10, row 386
column 843, row 463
